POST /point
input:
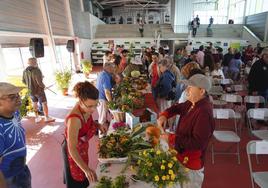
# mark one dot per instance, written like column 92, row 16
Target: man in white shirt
column 200, row 56
column 189, row 48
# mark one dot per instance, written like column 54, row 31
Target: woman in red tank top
column 80, row 128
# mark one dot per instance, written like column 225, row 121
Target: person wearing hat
column 194, row 129
column 13, row 170
column 33, row 78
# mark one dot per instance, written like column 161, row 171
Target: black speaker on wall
column 37, row 47
column 70, row 46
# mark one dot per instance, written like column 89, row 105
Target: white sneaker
column 49, row 119
column 38, row 119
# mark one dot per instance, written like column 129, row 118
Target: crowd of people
column 180, row 85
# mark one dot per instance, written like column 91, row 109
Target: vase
column 65, row 91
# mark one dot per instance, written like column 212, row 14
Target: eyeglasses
column 90, row 106
column 12, row 97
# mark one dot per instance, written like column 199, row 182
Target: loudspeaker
column 70, row 46
column 36, row 47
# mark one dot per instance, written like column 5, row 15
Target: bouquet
column 160, row 168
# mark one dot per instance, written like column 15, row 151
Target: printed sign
column 262, row 147
column 258, row 114
column 230, row 98
column 222, row 114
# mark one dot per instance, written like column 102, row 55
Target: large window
column 256, row 6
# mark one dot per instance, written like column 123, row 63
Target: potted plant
column 63, row 79
column 86, row 67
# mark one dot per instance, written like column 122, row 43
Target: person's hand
column 161, row 122
column 103, row 129
column 91, row 175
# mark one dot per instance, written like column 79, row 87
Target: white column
column 75, row 55
column 3, row 72
column 266, row 29
column 48, row 28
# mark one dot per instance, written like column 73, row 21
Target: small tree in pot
column 86, row 67
column 63, row 80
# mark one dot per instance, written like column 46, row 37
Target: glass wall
column 232, row 9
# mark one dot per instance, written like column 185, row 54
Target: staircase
column 221, row 31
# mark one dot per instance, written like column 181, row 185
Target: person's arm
column 108, row 94
column 175, row 109
column 73, row 126
column 202, row 131
column 39, row 78
column 2, row 179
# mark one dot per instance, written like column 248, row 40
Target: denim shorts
column 41, row 97
column 21, row 180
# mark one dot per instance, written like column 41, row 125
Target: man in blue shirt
column 104, row 86
column 14, row 173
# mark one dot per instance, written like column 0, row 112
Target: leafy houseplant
column 86, row 67
column 63, row 80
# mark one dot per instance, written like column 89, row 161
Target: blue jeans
column 21, row 180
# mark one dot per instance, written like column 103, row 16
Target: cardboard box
column 132, row 120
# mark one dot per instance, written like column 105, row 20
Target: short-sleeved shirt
column 12, row 145
column 104, row 81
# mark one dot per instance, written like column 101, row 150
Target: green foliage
column 63, row 79
column 86, row 66
column 120, row 143
column 130, row 54
column 25, row 104
column 119, row 182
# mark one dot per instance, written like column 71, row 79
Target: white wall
column 94, row 22
column 85, row 47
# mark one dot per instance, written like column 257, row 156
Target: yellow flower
column 139, row 162
column 170, row 165
column 167, row 176
column 163, row 178
column 140, row 153
column 158, row 152
column 162, row 167
column 163, row 161
column 173, row 152
column 170, row 172
column 149, row 164
column 174, row 158
column 151, row 150
column 156, row 178
column 185, row 160
column 172, row 177
column 145, row 153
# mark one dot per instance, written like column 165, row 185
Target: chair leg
column 212, row 152
column 257, row 159
column 238, row 153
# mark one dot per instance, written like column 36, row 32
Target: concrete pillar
column 3, row 74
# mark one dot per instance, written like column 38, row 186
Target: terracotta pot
column 65, row 91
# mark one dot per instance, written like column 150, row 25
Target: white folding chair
column 254, row 99
column 238, row 87
column 234, row 100
column 258, row 148
column 257, row 114
column 226, row 136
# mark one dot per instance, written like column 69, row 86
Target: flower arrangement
column 160, row 168
column 63, row 80
column 118, row 182
column 120, row 143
